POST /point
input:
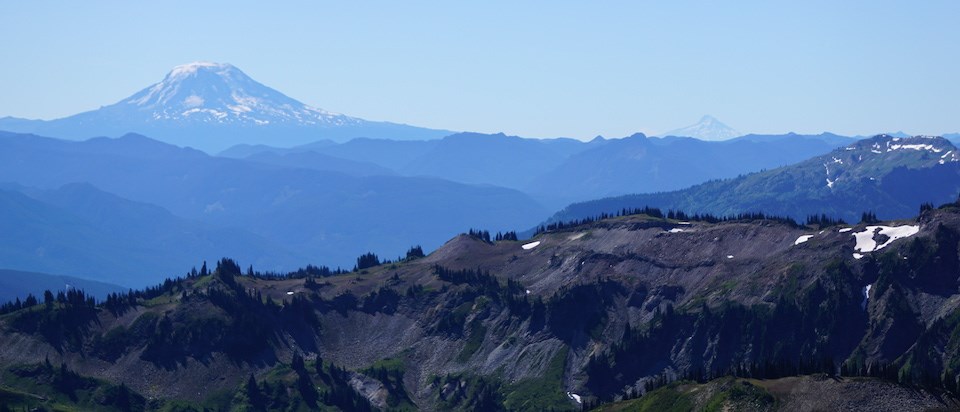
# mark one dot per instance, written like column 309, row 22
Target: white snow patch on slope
column 845, row 230
column 676, row 230
column 802, row 239
column 729, row 256
column 531, row 245
column 865, row 242
column 574, row 397
column 857, row 256
column 928, row 147
column 193, row 101
column 866, row 296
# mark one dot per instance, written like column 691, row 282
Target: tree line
column 670, row 214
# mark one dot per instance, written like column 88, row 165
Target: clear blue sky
column 537, row 69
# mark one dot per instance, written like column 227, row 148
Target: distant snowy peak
column 708, row 128
column 206, row 92
column 213, row 106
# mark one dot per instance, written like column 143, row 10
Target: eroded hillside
column 590, row 313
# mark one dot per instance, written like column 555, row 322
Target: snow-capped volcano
column 708, row 128
column 221, row 93
column 212, row 106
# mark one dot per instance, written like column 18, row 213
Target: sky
column 531, row 68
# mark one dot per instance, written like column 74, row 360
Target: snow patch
column 857, row 256
column 802, row 239
column 574, row 397
column 238, row 109
column 193, row 101
column 866, row 296
column 191, row 68
column 729, row 256
column 865, row 242
column 676, row 230
column 531, row 245
column 290, row 293
column 845, row 230
column 928, row 147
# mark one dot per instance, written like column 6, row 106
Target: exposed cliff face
column 597, row 310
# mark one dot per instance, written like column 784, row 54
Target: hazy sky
column 537, row 69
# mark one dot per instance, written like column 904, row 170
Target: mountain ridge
column 555, row 322
column 310, row 212
column 877, row 174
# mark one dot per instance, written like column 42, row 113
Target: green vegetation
column 578, row 312
column 44, row 386
column 475, row 338
column 666, row 399
column 61, row 320
column 390, row 373
column 298, row 386
column 467, row 393
column 490, row 393
column 540, row 393
column 738, row 394
column 727, row 394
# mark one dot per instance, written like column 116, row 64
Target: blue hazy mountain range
column 177, row 202
column 557, row 172
column 130, row 210
column 81, row 231
column 211, row 106
column 887, row 175
column 16, row 284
